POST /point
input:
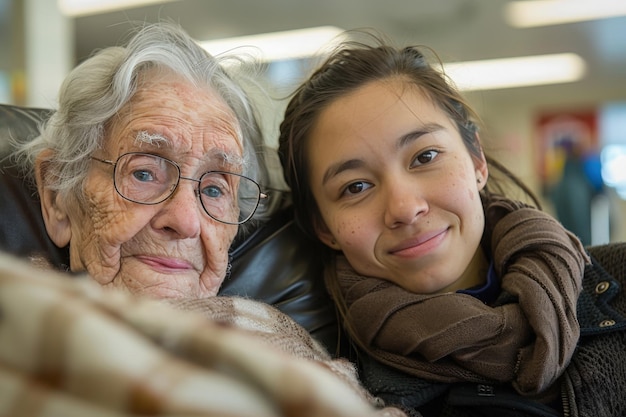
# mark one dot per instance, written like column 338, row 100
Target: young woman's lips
column 421, row 245
column 165, row 263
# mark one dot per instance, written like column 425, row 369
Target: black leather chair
column 275, row 263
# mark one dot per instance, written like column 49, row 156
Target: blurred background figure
column 575, row 191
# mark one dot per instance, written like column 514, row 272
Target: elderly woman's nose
column 181, row 213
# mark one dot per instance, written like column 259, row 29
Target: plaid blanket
column 69, row 348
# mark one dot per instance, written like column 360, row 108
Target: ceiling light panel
column 76, row 8
column 530, row 13
column 276, row 46
column 516, row 72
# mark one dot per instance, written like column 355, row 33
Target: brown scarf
column 527, row 339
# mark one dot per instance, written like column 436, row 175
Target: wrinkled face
column 172, row 249
column 397, row 190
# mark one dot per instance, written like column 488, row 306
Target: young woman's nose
column 404, row 204
column 181, row 214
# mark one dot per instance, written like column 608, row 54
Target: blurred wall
column 49, row 50
column 36, row 46
column 12, row 62
column 36, row 52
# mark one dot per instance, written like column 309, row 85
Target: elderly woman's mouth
column 164, row 263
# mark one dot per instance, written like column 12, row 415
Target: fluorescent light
column 552, row 12
column 276, row 46
column 516, row 72
column 77, row 8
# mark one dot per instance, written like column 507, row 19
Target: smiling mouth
column 420, row 246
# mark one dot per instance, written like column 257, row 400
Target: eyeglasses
column 150, row 179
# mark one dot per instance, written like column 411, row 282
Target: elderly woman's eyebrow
column 153, row 139
column 218, row 159
column 224, row 160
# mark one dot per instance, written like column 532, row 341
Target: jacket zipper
column 567, row 412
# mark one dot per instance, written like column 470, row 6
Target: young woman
column 461, row 300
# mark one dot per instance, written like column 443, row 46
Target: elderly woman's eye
column 425, row 157
column 212, row 191
column 143, row 175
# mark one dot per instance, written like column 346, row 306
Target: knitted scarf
column 526, row 338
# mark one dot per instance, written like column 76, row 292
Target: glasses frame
column 261, row 195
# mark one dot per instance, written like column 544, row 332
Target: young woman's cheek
column 354, row 232
column 459, row 186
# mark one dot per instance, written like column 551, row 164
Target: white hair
column 97, row 89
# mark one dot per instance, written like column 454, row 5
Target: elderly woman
column 149, row 165
column 147, row 169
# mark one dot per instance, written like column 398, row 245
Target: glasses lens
column 228, row 197
column 145, row 178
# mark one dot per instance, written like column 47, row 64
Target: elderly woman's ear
column 53, row 208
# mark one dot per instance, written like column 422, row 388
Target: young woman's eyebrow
column 404, row 140
column 339, row 167
column 413, row 135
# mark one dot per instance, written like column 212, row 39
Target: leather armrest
column 279, row 265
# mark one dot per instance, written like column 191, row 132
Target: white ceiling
column 458, row 30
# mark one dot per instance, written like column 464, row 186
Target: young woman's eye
column 356, row 188
column 425, row 157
